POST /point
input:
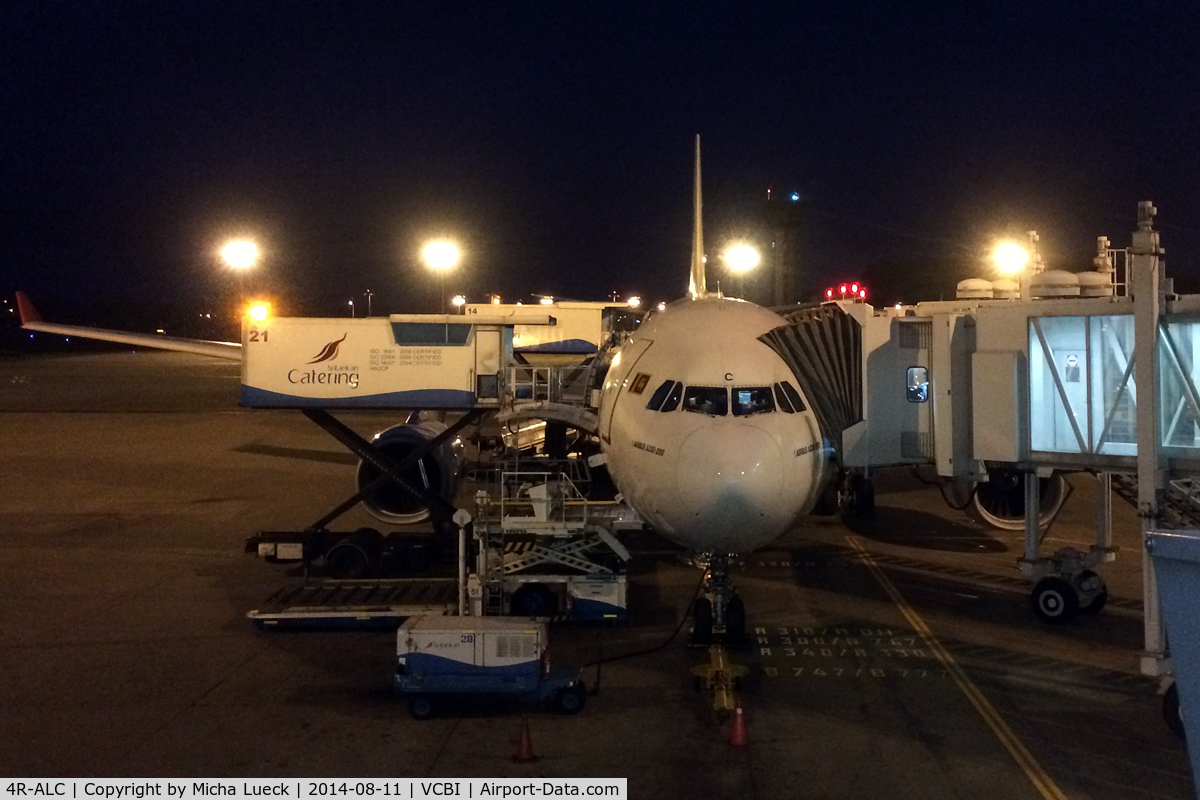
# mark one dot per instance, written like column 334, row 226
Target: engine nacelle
column 437, row 472
column 1000, row 500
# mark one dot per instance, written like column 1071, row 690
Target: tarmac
column 896, row 659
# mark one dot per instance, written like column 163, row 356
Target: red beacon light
column 848, row 291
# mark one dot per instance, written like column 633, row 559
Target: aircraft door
column 622, row 372
column 488, row 348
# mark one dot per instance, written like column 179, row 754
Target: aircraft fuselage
column 700, row 427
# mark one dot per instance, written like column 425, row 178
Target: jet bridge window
column 788, row 398
column 757, row 400
column 706, row 400
column 918, row 384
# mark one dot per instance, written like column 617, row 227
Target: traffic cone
column 737, row 736
column 524, row 753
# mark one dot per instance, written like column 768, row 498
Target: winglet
column 697, row 286
column 25, row 307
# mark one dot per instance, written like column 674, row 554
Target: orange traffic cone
column 524, row 753
column 737, row 736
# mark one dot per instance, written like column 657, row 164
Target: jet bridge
column 1001, row 394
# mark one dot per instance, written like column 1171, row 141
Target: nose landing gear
column 719, row 615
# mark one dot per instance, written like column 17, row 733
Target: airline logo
column 336, row 374
column 329, row 352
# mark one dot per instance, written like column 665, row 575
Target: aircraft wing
column 31, row 320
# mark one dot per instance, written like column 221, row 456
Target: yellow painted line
column 1041, row 780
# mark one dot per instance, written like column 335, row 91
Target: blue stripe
column 253, row 397
column 595, row 610
column 429, row 664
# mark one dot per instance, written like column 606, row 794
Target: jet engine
column 437, row 472
column 1000, row 500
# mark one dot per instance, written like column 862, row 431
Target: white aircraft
column 704, row 432
column 702, row 426
column 706, row 435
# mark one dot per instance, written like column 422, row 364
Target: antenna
column 696, row 287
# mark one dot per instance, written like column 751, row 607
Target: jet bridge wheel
column 1054, row 600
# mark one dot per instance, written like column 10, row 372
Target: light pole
column 1011, row 261
column 351, row 309
column 1010, row 258
column 741, row 258
column 368, row 293
column 240, row 255
column 459, row 302
column 441, row 256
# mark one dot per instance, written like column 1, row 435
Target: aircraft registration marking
column 649, row 448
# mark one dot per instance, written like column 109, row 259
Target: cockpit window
column 782, row 401
column 791, row 394
column 660, row 394
column 706, row 400
column 757, row 400
column 673, row 398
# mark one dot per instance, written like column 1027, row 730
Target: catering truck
column 443, row 658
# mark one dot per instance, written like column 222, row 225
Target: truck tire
column 571, row 701
column 421, row 707
column 355, row 556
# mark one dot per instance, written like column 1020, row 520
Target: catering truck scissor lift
column 534, row 546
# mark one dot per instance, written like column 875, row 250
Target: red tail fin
column 25, row 307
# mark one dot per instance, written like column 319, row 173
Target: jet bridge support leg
column 1066, row 586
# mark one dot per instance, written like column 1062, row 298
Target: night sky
column 554, row 142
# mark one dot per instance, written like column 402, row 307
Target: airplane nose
column 730, row 478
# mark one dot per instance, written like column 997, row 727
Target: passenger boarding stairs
column 1181, row 506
